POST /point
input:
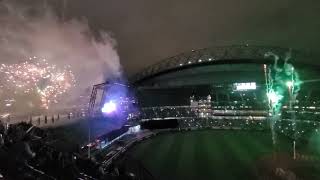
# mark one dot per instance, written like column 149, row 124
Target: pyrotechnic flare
column 283, row 80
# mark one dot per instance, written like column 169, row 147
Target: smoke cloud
column 37, row 32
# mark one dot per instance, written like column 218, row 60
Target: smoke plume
column 37, row 32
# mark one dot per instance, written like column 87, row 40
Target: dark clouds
column 149, row 30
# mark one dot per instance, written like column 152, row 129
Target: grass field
column 206, row 154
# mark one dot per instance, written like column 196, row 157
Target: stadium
column 206, row 114
column 159, row 90
column 217, row 113
column 223, row 89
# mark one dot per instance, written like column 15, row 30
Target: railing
column 54, row 119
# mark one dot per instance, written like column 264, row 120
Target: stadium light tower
column 106, row 100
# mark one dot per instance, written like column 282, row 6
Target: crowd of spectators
column 167, row 111
column 302, row 114
column 198, row 123
column 200, row 111
column 27, row 152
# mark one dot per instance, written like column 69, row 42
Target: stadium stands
column 25, row 152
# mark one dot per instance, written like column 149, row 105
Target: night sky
column 148, row 30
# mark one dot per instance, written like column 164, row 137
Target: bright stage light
column 109, row 107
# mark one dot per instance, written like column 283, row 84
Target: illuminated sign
column 245, row 86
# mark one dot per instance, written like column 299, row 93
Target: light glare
column 109, row 107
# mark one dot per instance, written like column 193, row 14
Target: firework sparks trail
column 39, row 77
column 283, row 83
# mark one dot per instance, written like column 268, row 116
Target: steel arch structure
column 217, row 55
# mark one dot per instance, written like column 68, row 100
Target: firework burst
column 37, row 77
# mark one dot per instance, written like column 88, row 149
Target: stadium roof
column 202, row 62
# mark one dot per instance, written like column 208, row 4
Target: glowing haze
column 49, row 63
column 109, row 107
